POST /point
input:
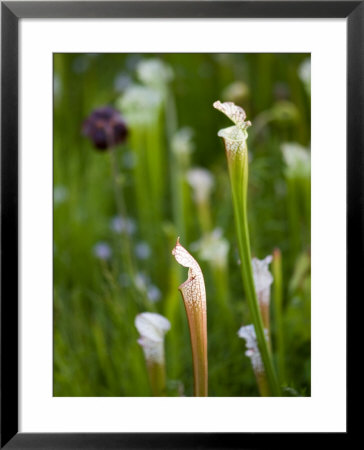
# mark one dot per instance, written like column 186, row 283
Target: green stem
column 176, row 168
column 155, row 163
column 142, row 185
column 293, row 215
column 172, row 308
column 278, row 301
column 157, row 378
column 204, row 214
column 238, row 171
column 220, row 276
column 262, row 384
column 306, row 191
column 126, row 239
column 121, row 209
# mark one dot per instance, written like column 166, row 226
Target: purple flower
column 102, row 251
column 142, row 250
column 154, row 293
column 105, row 127
column 122, row 225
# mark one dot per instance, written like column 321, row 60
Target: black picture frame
column 11, row 12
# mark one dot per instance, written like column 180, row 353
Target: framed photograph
column 181, row 194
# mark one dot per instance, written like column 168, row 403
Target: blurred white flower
column 102, row 250
column 202, row 182
column 182, row 144
column 142, row 250
column 247, row 332
column 237, row 92
column 122, row 225
column 154, row 72
column 225, row 59
column 290, row 391
column 140, row 104
column 262, row 278
column 60, row 194
column 297, row 159
column 304, row 72
column 154, row 294
column 152, row 327
column 213, row 247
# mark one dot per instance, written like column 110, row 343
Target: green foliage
column 96, row 300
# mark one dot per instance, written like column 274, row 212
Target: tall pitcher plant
column 235, row 140
column 194, row 298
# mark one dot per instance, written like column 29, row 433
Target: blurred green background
column 95, row 299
